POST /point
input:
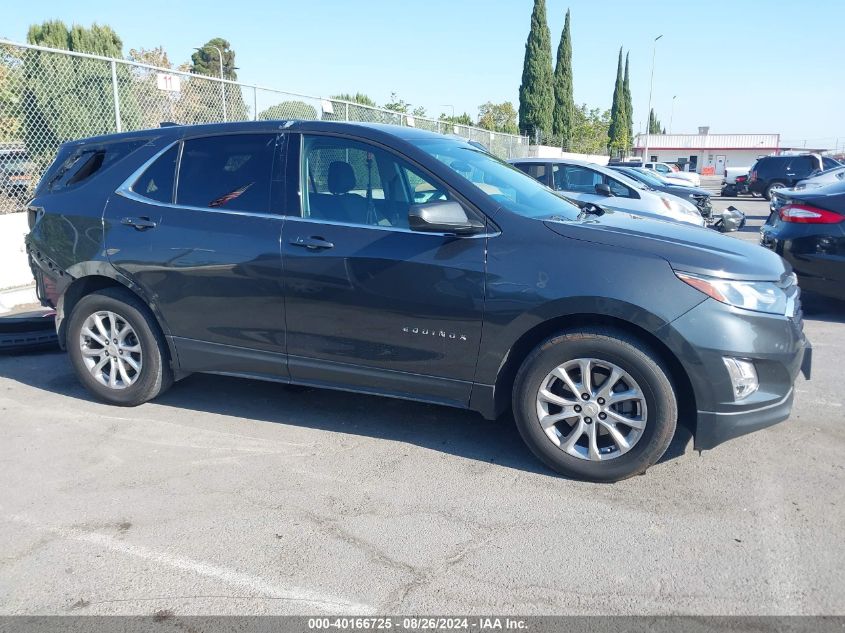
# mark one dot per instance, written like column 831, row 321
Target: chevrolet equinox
column 393, row 261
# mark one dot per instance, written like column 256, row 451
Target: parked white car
column 666, row 170
column 822, row 178
column 589, row 183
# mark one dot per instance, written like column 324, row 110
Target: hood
column 687, row 248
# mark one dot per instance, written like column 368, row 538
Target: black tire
column 629, row 354
column 773, row 185
column 155, row 375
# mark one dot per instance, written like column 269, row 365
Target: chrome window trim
column 125, row 189
column 395, row 229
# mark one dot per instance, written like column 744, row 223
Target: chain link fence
column 50, row 96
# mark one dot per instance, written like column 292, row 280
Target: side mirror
column 442, row 217
column 603, row 189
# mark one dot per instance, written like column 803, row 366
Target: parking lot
column 230, row 496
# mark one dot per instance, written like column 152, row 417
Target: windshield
column 515, row 191
column 625, row 178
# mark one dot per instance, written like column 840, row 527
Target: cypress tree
column 618, row 129
column 654, row 126
column 536, row 100
column 629, row 106
column 564, row 112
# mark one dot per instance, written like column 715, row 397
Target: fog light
column 743, row 377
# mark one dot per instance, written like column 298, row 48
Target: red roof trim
column 707, row 149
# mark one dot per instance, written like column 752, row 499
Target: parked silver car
column 590, row 183
column 822, row 178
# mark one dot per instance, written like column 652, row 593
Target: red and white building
column 707, row 153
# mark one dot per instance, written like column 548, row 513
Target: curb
column 10, row 298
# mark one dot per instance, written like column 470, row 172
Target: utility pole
column 650, row 89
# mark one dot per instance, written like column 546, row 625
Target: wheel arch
column 91, row 278
column 531, row 338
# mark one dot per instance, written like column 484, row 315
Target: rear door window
column 156, row 183
column 229, row 172
column 802, row 165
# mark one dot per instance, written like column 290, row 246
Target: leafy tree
column 205, row 97
column 590, row 130
column 206, row 60
column 617, row 133
column 397, row 104
column 11, row 89
column 69, row 97
column 562, row 119
column 358, row 97
column 460, row 119
column 289, row 110
column 654, row 126
column 629, row 105
column 498, row 117
column 536, row 99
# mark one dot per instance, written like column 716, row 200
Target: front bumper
column 776, row 345
column 715, row 428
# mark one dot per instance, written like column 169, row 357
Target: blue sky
column 760, row 67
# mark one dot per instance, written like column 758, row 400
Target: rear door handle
column 313, row 243
column 141, row 224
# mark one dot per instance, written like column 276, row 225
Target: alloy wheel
column 111, row 350
column 591, row 409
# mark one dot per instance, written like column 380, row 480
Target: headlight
column 760, row 296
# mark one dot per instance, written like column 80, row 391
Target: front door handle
column 313, row 243
column 141, row 224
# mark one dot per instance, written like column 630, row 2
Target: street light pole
column 650, row 89
column 672, row 113
column 222, row 79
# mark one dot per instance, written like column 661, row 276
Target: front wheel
column 117, row 349
column 595, row 404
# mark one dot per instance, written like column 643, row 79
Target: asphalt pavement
column 229, row 496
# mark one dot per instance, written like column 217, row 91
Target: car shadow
column 454, row 431
column 819, row 308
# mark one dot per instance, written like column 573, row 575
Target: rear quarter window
column 157, row 181
column 87, row 161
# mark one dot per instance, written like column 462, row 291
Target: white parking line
column 254, row 584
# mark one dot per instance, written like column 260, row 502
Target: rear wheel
column 775, row 185
column 117, row 349
column 595, row 404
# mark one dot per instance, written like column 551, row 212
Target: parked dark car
column 778, row 172
column 393, row 261
column 808, row 231
column 15, row 172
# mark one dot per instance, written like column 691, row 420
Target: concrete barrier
column 14, row 267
